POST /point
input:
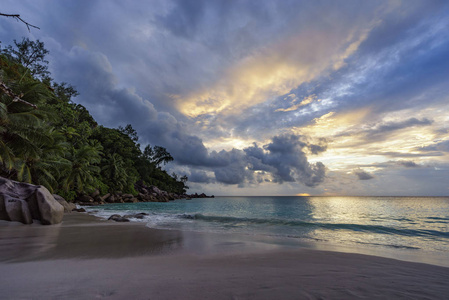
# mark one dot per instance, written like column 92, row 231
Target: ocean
column 413, row 224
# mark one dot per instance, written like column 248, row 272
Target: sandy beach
column 88, row 258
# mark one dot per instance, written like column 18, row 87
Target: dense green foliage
column 59, row 144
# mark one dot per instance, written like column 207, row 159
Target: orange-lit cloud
column 351, row 141
column 295, row 106
column 271, row 72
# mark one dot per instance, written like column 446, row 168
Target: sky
column 281, row 97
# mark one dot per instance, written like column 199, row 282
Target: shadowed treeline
column 47, row 139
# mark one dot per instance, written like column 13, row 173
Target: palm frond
column 23, row 171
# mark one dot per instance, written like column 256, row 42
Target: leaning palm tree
column 6, row 154
column 30, row 149
column 43, row 160
column 21, row 135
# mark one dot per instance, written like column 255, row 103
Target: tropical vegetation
column 47, row 139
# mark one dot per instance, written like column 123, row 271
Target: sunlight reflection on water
column 395, row 222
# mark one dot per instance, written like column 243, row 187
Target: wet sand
column 88, row 258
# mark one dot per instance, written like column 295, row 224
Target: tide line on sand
column 88, row 258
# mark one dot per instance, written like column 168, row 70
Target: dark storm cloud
column 362, row 175
column 91, row 73
column 320, row 146
column 185, row 17
column 442, row 146
column 200, row 177
column 282, row 160
column 408, row 163
column 285, row 158
column 234, row 28
column 113, row 106
column 231, row 174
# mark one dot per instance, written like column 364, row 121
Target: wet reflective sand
column 86, row 258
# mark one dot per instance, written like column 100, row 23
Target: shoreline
column 86, row 257
column 256, row 242
column 91, row 236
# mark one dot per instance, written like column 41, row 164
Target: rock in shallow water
column 79, row 209
column 136, row 216
column 118, row 218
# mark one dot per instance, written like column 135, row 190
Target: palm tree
column 43, row 162
column 20, row 93
column 84, row 168
column 21, row 133
column 114, row 172
column 6, row 154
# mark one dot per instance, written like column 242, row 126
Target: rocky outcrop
column 202, row 195
column 145, row 194
column 23, row 202
column 68, row 207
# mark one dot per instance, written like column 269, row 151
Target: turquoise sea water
column 410, row 223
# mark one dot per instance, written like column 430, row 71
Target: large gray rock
column 68, row 207
column 18, row 210
column 25, row 202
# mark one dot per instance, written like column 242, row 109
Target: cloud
column 282, row 160
column 263, row 58
column 208, row 79
column 441, row 146
column 391, row 181
column 233, row 173
column 267, row 74
column 294, row 104
column 92, row 74
column 362, row 175
column 408, row 163
column 285, row 158
column 381, row 130
column 200, row 177
column 383, row 80
column 407, row 154
column 111, row 105
column 384, row 128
